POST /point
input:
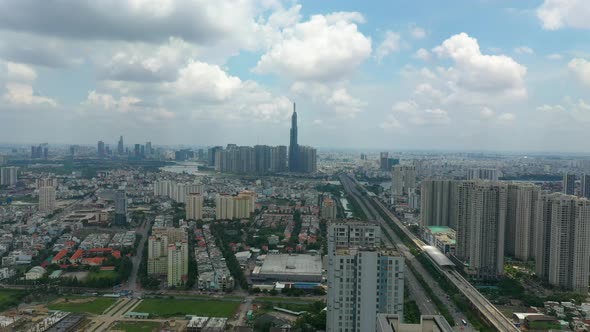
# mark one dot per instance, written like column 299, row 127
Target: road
column 136, row 259
column 351, row 187
column 417, row 292
column 487, row 310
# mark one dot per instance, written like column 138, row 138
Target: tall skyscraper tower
column 120, row 207
column 120, row 148
column 293, row 145
column 100, row 149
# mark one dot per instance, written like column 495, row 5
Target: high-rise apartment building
column 195, row 188
column 177, row 263
column 194, row 206
column 437, row 203
column 244, row 204
column 480, row 212
column 585, row 185
column 328, row 209
column 307, row 159
column 8, row 176
column 359, row 234
column 482, row 174
column 363, row 279
column 521, row 219
column 402, row 179
column 224, row 207
column 211, row 155
column 386, row 163
column 100, row 151
column 40, row 151
column 157, row 263
column 278, row 158
column 569, row 183
column 563, row 244
column 120, row 207
column 46, row 199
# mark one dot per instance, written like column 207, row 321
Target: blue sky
column 473, row 75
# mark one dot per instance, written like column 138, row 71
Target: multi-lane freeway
column 486, row 309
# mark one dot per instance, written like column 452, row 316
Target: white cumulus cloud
column 422, row 54
column 524, row 50
column 481, row 74
column 20, row 72
column 418, row 33
column 581, row 69
column 390, row 44
column 327, row 47
column 557, row 14
column 22, row 94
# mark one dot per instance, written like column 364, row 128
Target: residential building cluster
column 496, row 219
column 213, row 273
column 177, row 191
column 260, row 159
column 168, row 254
column 237, row 206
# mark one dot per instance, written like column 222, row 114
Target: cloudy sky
column 470, row 74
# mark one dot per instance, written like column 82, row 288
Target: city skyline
column 386, row 72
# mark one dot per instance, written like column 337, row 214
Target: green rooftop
column 439, row 229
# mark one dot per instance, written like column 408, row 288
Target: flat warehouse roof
column 292, row 264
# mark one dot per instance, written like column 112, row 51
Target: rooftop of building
column 353, row 250
column 440, row 229
column 292, row 264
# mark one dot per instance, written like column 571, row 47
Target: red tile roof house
column 77, row 256
column 60, row 257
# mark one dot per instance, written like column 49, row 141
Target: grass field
column 177, row 307
column 10, row 298
column 137, row 326
column 80, row 304
column 103, row 274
